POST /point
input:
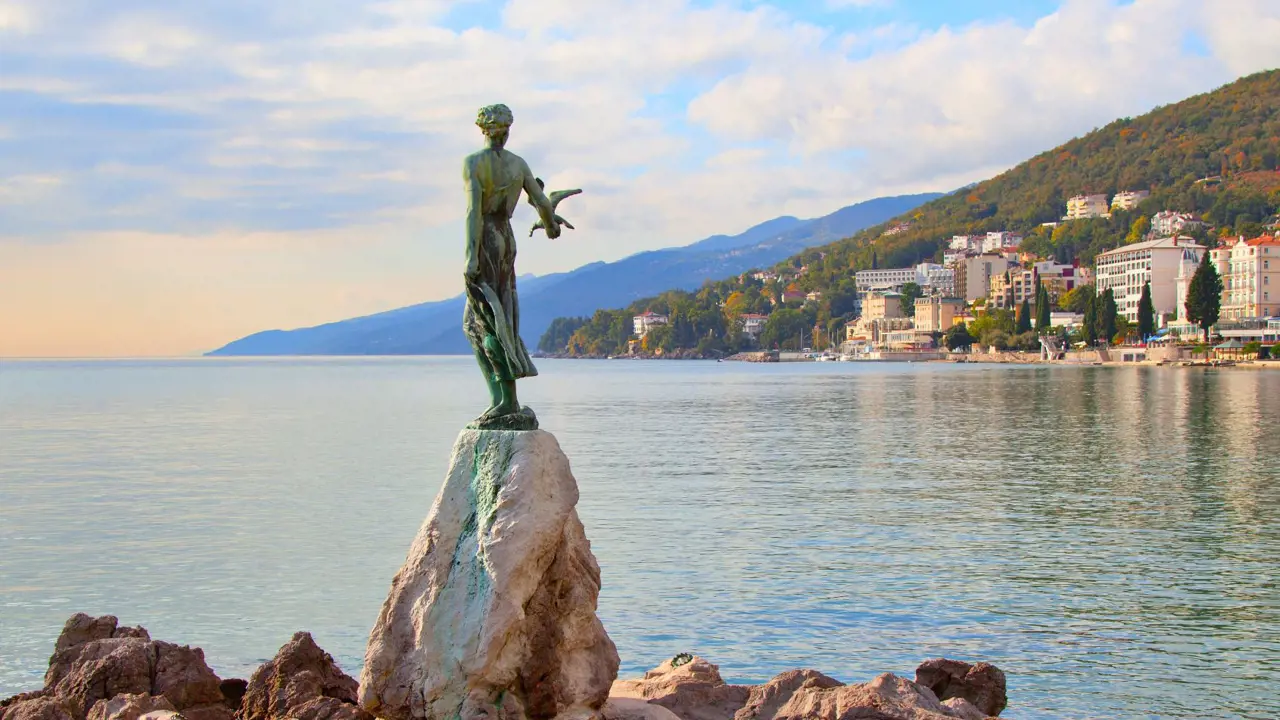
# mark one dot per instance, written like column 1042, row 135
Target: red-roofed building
column 753, row 324
column 648, row 320
column 1250, row 271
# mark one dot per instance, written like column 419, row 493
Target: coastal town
column 993, row 297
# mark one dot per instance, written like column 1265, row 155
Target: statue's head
column 495, row 121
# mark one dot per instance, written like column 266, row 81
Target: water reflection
column 1108, row 536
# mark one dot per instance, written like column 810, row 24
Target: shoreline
column 102, row 670
column 1006, row 358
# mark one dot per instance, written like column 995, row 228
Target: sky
column 177, row 175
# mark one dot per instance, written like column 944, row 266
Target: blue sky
column 173, row 175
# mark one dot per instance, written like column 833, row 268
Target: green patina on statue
column 494, row 178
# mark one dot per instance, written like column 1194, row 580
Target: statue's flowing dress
column 493, row 309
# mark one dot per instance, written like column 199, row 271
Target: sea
column 1108, row 536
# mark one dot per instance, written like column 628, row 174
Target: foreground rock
column 982, row 684
column 302, row 682
column 494, row 611
column 767, row 699
column 692, row 689
column 887, row 697
column 96, row 661
column 632, row 709
column 133, row 707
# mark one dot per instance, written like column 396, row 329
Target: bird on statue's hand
column 555, row 197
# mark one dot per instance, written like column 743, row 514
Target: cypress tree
column 1106, row 310
column 1146, row 314
column 1204, row 296
column 1024, row 317
column 1088, row 330
column 1042, row 308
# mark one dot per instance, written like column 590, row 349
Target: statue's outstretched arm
column 475, row 221
column 546, row 210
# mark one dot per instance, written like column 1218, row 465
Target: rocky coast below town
column 101, row 670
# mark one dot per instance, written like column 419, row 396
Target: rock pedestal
column 494, row 612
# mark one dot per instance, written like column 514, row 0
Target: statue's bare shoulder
column 510, row 161
column 469, row 162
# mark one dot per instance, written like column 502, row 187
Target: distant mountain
column 766, row 230
column 435, row 328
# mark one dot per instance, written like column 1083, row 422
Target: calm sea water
column 1109, row 537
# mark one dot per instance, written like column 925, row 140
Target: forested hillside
column 1216, row 154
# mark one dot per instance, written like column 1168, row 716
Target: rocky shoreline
column 101, row 670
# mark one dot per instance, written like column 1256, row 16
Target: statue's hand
column 553, row 232
column 472, row 270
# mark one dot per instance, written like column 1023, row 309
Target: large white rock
column 494, row 612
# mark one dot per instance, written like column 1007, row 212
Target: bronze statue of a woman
column 494, row 178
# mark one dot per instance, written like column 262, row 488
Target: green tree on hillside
column 910, row 292
column 985, row 327
column 1075, row 299
column 557, row 336
column 1138, row 231
column 843, row 299
column 1146, row 314
column 1024, row 317
column 658, row 338
column 786, row 329
column 1204, row 296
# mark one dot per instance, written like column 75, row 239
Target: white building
column 973, row 275
column 936, row 313
column 999, row 241
column 1086, row 206
column 881, row 306
column 929, row 276
column 753, row 324
column 647, row 321
column 868, row 280
column 1168, row 223
column 1247, row 272
column 966, row 243
column 1069, row 320
column 936, row 279
column 1126, row 269
column 1129, row 199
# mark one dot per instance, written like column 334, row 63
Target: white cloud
column 16, row 17
column 1244, row 34
column 963, row 98
column 19, row 189
column 858, row 3
column 678, row 118
column 148, row 41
